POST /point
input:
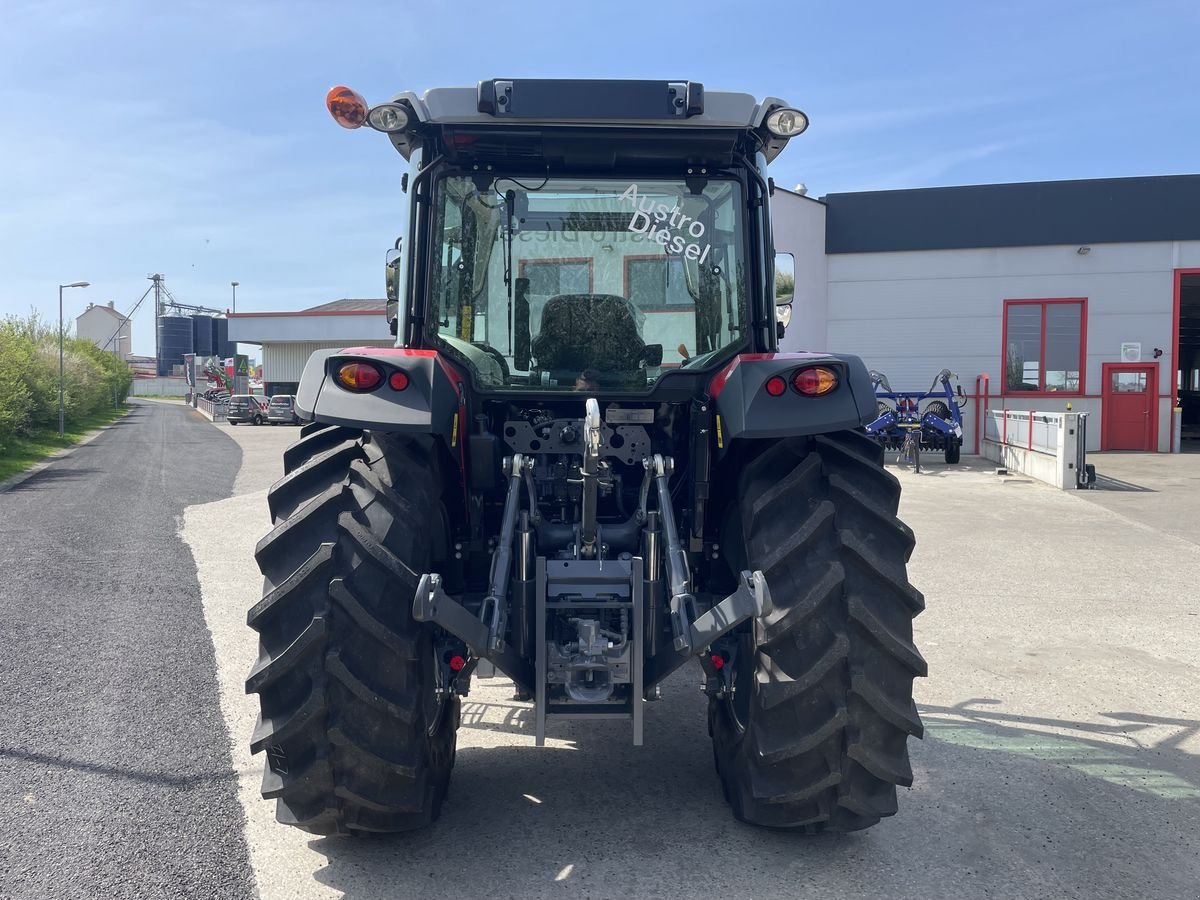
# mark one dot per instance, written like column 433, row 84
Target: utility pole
column 61, row 407
column 157, row 279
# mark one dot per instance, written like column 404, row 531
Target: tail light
column 815, row 380
column 398, row 381
column 359, row 377
column 776, row 386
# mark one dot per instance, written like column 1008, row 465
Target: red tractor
column 585, row 463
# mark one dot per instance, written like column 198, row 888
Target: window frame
column 558, row 261
column 644, row 257
column 1044, row 303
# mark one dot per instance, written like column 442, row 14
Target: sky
column 191, row 138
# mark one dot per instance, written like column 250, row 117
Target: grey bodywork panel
column 748, row 411
column 427, row 404
column 460, row 105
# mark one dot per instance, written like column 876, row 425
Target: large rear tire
column 357, row 737
column 814, row 735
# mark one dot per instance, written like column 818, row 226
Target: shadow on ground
column 1003, row 805
column 1108, row 483
column 51, row 476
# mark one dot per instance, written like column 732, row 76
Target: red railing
column 981, row 401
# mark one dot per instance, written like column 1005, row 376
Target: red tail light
column 776, row 386
column 398, row 381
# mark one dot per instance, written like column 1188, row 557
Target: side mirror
column 783, row 318
column 785, row 278
column 652, row 355
column 392, row 275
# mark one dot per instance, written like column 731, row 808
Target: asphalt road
column 115, row 772
column 1061, row 758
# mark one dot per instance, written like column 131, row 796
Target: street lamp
column 234, row 285
column 73, row 284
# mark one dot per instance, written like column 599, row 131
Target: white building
column 1040, row 296
column 106, row 328
column 289, row 338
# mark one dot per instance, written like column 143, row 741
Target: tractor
column 584, row 464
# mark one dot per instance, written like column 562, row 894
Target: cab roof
column 567, row 105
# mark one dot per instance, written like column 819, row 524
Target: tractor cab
column 568, row 236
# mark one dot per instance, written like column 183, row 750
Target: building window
column 1044, row 346
column 656, row 282
column 551, row 277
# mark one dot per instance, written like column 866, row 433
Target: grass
column 20, row 453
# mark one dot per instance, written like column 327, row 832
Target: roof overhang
column 319, row 325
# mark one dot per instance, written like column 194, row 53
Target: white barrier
column 159, row 387
column 214, row 411
column 1041, row 445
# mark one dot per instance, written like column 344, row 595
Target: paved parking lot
column 1060, row 758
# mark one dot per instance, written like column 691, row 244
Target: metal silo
column 174, row 340
column 222, row 346
column 202, row 335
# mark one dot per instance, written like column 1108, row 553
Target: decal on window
column 667, row 226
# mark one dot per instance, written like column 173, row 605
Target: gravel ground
column 1060, row 757
column 115, row 772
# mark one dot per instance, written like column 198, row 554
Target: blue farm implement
column 902, row 425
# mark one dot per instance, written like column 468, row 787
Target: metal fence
column 1040, row 432
column 215, row 411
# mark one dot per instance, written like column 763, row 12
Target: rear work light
column 388, row 117
column 787, row 123
column 347, row 107
column 359, row 377
column 815, row 381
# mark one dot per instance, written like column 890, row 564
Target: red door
column 1129, row 398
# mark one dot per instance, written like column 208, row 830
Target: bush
column 92, row 378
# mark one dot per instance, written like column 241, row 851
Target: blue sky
column 191, row 138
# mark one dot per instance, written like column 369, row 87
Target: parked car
column 246, row 408
column 282, row 409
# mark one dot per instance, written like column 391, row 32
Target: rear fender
column 431, row 403
column 746, row 410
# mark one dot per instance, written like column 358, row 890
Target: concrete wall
column 799, row 228
column 159, row 387
column 910, row 314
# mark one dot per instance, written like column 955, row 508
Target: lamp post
column 73, row 284
column 234, row 285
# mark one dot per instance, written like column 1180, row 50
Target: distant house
column 106, row 328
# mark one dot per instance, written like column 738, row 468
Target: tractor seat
column 588, row 331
